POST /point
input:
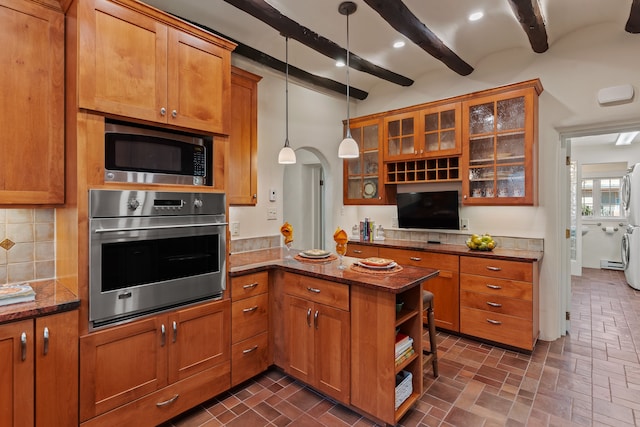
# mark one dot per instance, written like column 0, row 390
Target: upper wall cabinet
column 500, row 136
column 132, row 64
column 363, row 183
column 32, row 111
column 242, row 188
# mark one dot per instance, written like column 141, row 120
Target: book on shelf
column 404, row 356
column 404, row 345
column 13, row 294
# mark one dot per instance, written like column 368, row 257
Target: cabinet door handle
column 249, row 350
column 493, row 268
column 250, row 285
column 494, row 304
column 493, row 286
column 309, row 317
column 168, row 402
column 357, row 251
column 23, row 346
column 494, row 322
column 163, row 335
column 250, row 309
column 175, row 331
column 315, row 319
column 415, row 258
column 314, row 290
column 174, row 113
column 255, row 196
column 163, row 111
column 45, row 334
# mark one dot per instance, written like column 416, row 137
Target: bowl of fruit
column 481, row 242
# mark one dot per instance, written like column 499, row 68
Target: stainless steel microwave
column 144, row 155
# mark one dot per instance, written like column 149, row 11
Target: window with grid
column 601, row 197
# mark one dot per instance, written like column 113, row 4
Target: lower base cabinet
column 38, row 384
column 155, row 368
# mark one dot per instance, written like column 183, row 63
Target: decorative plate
column 314, row 253
column 376, row 262
column 369, row 190
column 389, row 266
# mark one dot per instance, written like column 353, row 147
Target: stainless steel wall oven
column 151, row 251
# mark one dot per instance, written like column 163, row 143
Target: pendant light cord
column 347, row 63
column 286, row 91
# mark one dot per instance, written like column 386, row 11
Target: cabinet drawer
column 317, row 290
column 496, row 304
column 361, row 251
column 249, row 358
column 513, row 331
column 249, row 317
column 249, row 285
column 421, row 259
column 498, row 287
column 514, row 270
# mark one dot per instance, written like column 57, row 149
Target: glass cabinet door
column 441, row 131
column 400, row 136
column 499, row 135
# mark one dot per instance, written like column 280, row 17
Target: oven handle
column 159, row 227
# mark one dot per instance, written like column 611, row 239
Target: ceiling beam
column 633, row 24
column 398, row 15
column 532, row 22
column 297, row 73
column 263, row 11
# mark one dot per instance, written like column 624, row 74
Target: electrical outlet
column 272, row 213
column 464, row 223
column 235, row 228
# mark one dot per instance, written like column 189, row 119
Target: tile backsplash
column 32, row 254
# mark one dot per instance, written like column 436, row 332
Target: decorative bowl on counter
column 481, row 242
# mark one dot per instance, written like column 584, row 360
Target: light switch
column 272, row 195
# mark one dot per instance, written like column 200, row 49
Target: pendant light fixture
column 348, row 148
column 287, row 156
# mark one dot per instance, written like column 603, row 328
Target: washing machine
column 631, row 256
column 630, row 194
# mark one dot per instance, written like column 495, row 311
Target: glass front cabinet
column 363, row 183
column 499, row 162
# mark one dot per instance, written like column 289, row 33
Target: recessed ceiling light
column 475, row 16
column 340, row 63
column 398, row 44
column 625, row 138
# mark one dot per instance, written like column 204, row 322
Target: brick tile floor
column 590, row 377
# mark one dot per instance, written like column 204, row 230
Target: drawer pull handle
column 357, row 251
column 493, row 286
column 314, row 290
column 163, row 335
column 175, row 331
column 315, row 319
column 250, row 309
column 23, row 346
column 250, row 285
column 249, row 350
column 494, row 322
column 309, row 317
column 494, row 304
column 415, row 258
column 45, row 334
column 493, row 268
column 168, row 402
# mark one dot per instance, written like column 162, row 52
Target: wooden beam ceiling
column 263, row 11
column 633, row 23
column 398, row 15
column 297, row 73
column 532, row 22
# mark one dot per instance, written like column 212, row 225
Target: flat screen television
column 433, row 209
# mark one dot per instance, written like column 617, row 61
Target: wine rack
column 424, row 170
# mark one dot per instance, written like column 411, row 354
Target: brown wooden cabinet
column 38, row 384
column 358, row 250
column 32, row 111
column 445, row 287
column 499, row 301
column 317, row 334
column 148, row 367
column 132, row 64
column 242, row 188
column 363, row 176
column 249, row 326
column 500, row 134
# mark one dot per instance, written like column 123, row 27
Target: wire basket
column 404, row 387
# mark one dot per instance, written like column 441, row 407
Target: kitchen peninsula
column 328, row 327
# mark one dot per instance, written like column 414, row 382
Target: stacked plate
column 376, row 263
column 315, row 254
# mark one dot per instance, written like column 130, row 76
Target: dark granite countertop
column 497, row 253
column 255, row 261
column 51, row 297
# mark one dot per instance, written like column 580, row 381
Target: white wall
column 572, row 71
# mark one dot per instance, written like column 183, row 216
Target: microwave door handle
column 160, row 227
